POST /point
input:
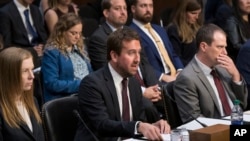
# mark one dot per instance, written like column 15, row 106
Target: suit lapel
column 112, row 91
column 148, row 41
column 26, row 129
column 203, row 80
column 106, row 28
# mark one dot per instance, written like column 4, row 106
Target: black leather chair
column 38, row 89
column 59, row 121
column 89, row 12
column 89, row 26
column 166, row 16
column 172, row 112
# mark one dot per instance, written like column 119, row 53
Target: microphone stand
column 85, row 125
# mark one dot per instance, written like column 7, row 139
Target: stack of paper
column 193, row 125
column 166, row 137
column 246, row 116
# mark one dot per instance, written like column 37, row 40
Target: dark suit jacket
column 23, row 133
column 13, row 29
column 243, row 64
column 99, row 106
column 237, row 35
column 194, row 94
column 97, row 50
column 151, row 50
column 185, row 51
column 97, row 47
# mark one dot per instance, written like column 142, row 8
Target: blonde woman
column 19, row 115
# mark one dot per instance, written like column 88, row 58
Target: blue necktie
column 30, row 29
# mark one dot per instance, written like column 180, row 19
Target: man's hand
column 152, row 93
column 168, row 78
column 39, row 49
column 154, row 131
column 163, row 126
column 150, row 131
column 227, row 63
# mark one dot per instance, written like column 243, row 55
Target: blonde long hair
column 11, row 87
column 186, row 31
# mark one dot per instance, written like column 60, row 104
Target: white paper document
column 246, row 116
column 166, row 137
column 193, row 125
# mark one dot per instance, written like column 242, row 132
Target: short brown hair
column 206, row 34
column 116, row 38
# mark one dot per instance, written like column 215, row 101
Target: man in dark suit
column 14, row 27
column 3, row 2
column 109, row 108
column 97, row 49
column 167, row 65
column 114, row 19
column 197, row 90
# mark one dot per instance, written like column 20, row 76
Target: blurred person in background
column 21, row 26
column 65, row 60
column 155, row 42
column 57, row 8
column 186, row 22
column 237, row 27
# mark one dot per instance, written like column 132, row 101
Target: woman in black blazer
column 19, row 116
column 237, row 27
column 182, row 30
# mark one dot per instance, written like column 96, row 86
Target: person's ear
column 114, row 56
column 132, row 8
column 105, row 12
column 203, row 46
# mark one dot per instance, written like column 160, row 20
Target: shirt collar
column 20, row 7
column 205, row 69
column 138, row 23
column 116, row 76
column 112, row 27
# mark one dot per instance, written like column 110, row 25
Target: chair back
column 59, row 121
column 172, row 114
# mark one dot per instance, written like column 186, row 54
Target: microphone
column 85, row 125
column 183, row 110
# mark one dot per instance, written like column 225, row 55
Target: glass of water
column 176, row 135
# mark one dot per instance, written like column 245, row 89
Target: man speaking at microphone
column 110, row 99
column 210, row 82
